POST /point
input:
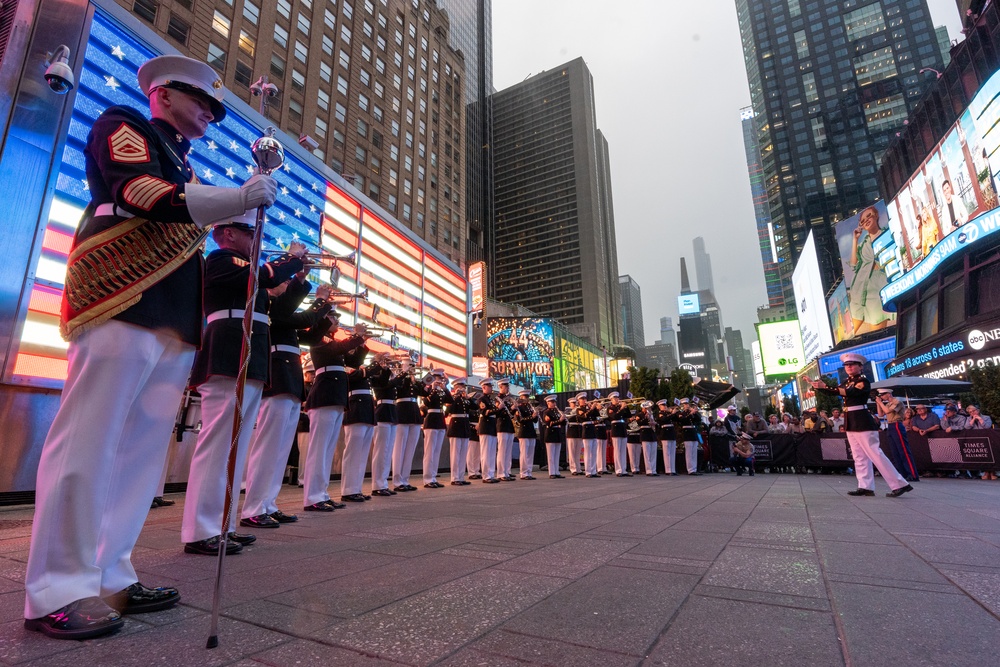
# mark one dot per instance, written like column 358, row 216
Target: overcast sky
column 669, row 82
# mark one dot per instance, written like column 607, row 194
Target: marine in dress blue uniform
column 667, row 435
column 526, row 417
column 505, row 432
column 619, row 415
column 459, row 430
column 554, row 421
column 435, row 399
column 359, row 426
column 384, row 381
column 408, row 427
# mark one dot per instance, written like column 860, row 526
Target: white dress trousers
column 866, row 451
column 206, row 490
column 602, row 454
column 621, row 465
column 590, row 456
column 574, row 449
column 552, row 450
column 268, row 455
column 634, row 452
column 691, row 448
column 459, row 452
column 382, row 444
column 505, row 453
column 101, row 462
column 357, row 450
column 669, row 455
column 404, row 446
column 324, row 431
column 472, row 459
column 527, row 458
column 649, row 456
column 488, row 456
column 433, row 439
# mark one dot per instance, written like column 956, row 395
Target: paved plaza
column 711, row 570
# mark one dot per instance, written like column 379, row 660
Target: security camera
column 270, row 89
column 263, row 87
column 58, row 74
column 308, row 142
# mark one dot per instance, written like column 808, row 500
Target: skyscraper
column 631, row 305
column 667, row 332
column 555, row 228
column 703, row 265
column 830, row 84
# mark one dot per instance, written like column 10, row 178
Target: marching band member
column 434, row 427
column 633, row 443
column 384, row 383
column 505, row 431
column 472, row 455
column 216, row 367
column 668, row 437
column 601, row 426
column 282, row 402
column 408, row 423
column 526, row 417
column 862, row 430
column 457, row 416
column 588, row 415
column 619, row 415
column 488, row 410
column 689, row 421
column 359, row 426
column 325, row 406
column 647, row 434
column 554, row 421
column 130, row 350
column 574, row 439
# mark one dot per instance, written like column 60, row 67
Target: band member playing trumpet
column 667, row 433
column 601, row 426
column 282, row 402
column 574, row 439
column 633, row 443
column 457, row 416
column 688, row 420
column 325, row 406
column 216, row 368
column 408, row 422
column 554, row 421
column 505, row 431
column 384, row 382
column 647, row 434
column 587, row 416
column 359, row 426
column 489, row 408
column 619, row 415
column 526, row 417
column 435, row 400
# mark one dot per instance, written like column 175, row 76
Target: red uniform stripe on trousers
column 906, row 450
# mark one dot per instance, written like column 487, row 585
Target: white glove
column 210, row 204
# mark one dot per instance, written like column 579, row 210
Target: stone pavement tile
column 610, row 607
column 952, row 549
column 638, row 526
column 13, row 544
column 18, row 645
column 946, row 588
column 525, row 519
column 882, row 561
column 9, row 585
column 13, row 569
column 710, row 632
column 903, row 627
column 544, row 533
column 592, row 518
column 769, row 570
column 763, row 597
column 771, row 531
column 661, row 564
column 684, row 544
column 865, row 532
column 712, row 523
column 509, row 649
column 982, row 586
column 571, row 558
column 908, row 521
column 363, row 591
column 990, row 537
column 780, row 514
column 683, row 507
column 280, row 617
column 725, row 507
column 412, row 528
column 423, row 628
column 313, row 654
column 602, row 500
column 426, row 543
column 177, row 645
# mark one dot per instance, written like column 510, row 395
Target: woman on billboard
column 869, row 277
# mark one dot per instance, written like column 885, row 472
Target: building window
column 828, row 179
column 321, row 128
column 341, row 85
column 809, row 87
column 406, row 212
column 864, row 21
column 221, row 24
column 251, row 12
column 303, row 23
column 327, row 45
column 145, row 9
column 243, row 73
column 216, row 57
column 363, row 102
column 819, row 132
column 348, row 10
column 392, row 203
column 301, row 52
column 248, row 44
column 338, row 139
column 393, row 177
column 325, row 72
column 801, row 44
column 280, row 36
column 323, row 100
column 285, row 8
column 295, row 111
column 885, row 112
column 329, row 20
column 178, row 29
column 277, row 66
column 345, row 34
column 345, row 60
column 298, row 81
column 340, row 112
column 875, row 66
column 362, row 128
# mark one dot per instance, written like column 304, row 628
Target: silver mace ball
column 268, row 152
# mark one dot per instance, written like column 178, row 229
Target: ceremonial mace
column 269, row 155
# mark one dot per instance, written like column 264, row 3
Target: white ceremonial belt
column 586, row 423
column 434, row 410
column 407, row 399
column 459, row 415
column 111, row 209
column 360, row 392
column 618, row 421
column 386, row 401
column 233, row 314
column 854, row 408
column 324, row 369
column 291, row 349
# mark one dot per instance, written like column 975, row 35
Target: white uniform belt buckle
column 460, row 415
column 386, row 401
column 408, row 399
column 434, row 410
column 618, row 421
column 855, row 408
column 360, row 392
column 587, row 423
column 325, row 369
column 235, row 314
column 291, row 349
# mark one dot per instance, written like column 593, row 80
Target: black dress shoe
column 334, row 504
column 626, row 474
column 652, row 474
column 242, row 538
column 139, row 599
column 594, row 476
column 555, row 477
column 528, row 477
column 457, row 483
column 353, row 498
column 476, row 476
column 674, row 474
column 401, row 488
column 861, row 492
column 319, row 507
column 577, row 474
column 619, row 474
column 160, row 501
column 896, row 493
column 465, row 482
column 260, row 521
column 508, row 478
column 83, row 619
column 385, row 493
column 210, row 547
column 391, row 492
column 694, row 474
column 491, row 480
column 281, row 517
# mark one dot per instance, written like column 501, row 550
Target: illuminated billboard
column 862, row 239
column 577, row 365
column 688, row 304
column 810, row 302
column 422, row 296
column 522, row 349
column 780, row 348
column 939, row 211
column 477, row 283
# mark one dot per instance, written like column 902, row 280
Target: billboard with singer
column 522, row 350
column 862, row 240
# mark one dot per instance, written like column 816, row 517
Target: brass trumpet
column 317, row 258
column 349, row 296
column 380, row 331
